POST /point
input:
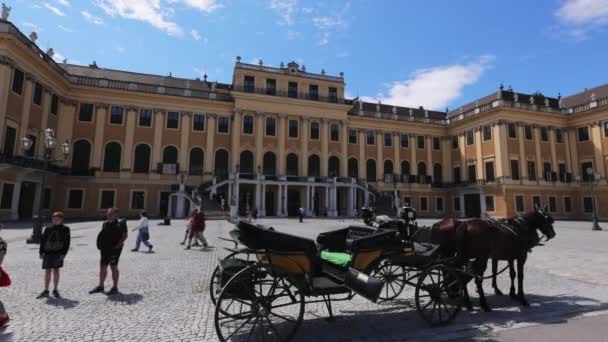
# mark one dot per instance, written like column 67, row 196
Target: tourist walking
column 54, row 246
column 189, row 227
column 301, row 214
column 110, row 242
column 197, row 226
column 4, row 281
column 143, row 233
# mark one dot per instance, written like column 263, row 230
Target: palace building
column 281, row 138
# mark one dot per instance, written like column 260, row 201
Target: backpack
column 53, row 243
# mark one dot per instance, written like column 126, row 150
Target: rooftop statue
column 50, row 52
column 33, row 36
column 6, row 11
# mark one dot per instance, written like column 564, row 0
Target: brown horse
column 480, row 240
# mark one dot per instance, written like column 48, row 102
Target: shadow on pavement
column 62, row 302
column 126, row 298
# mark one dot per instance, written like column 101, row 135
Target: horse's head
column 542, row 221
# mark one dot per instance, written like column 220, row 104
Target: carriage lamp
column 594, row 179
column 26, row 144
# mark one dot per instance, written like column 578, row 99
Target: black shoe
column 56, row 294
column 187, row 247
column 195, row 244
column 112, row 291
column 182, row 243
column 134, row 250
column 98, row 289
column 150, row 249
column 205, row 245
column 43, row 294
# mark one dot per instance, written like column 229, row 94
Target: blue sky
column 436, row 54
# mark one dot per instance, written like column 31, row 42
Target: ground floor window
column 536, row 202
column 75, row 199
column 439, row 204
column 519, row 204
column 138, row 200
column 552, row 204
column 424, row 205
column 588, row 204
column 456, row 203
column 107, row 199
column 567, row 204
column 407, row 201
column 490, row 203
column 7, row 196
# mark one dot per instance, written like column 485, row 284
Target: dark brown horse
column 480, row 240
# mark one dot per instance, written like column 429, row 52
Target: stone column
column 429, row 157
column 523, row 163
column 343, row 149
column 46, row 100
column 282, row 136
column 554, row 165
column 127, row 161
column 327, row 201
column 501, row 150
column 15, row 199
column 184, row 147
column 304, row 152
column 235, row 135
column 568, row 151
column 67, row 113
column 464, row 168
column 576, row 172
column 380, row 162
column 159, row 120
column 446, row 158
column 324, row 146
column 259, row 140
column 596, row 139
column 263, row 204
column 210, row 149
column 25, row 111
column 362, row 162
column 413, row 159
column 101, row 111
column 397, row 156
column 478, row 156
column 307, row 205
column 258, row 195
column 285, row 200
column 5, row 88
column 539, row 161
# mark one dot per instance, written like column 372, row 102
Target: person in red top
column 197, row 227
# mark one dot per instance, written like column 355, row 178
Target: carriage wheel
column 258, row 304
column 394, row 279
column 215, row 286
column 438, row 295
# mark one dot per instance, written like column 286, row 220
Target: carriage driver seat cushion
column 336, row 258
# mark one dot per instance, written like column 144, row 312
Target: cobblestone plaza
column 164, row 295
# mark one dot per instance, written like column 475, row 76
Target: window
column 457, row 175
column 370, row 171
column 472, row 169
column 583, row 133
column 271, row 86
column 562, row 172
column 588, row 205
column 528, row 132
column 371, row 138
column 420, row 142
column 470, row 138
column 605, row 129
column 454, row 142
column 547, row 172
column 456, row 203
column 112, row 156
column 86, row 112
column 54, row 104
column 10, row 137
column 333, row 94
column 271, row 127
column 490, row 171
column 352, row 136
column 436, row 144
column 388, row 140
column 138, row 200
column 490, row 203
column 515, row 169
column 407, row 201
column 559, row 136
column 292, row 90
column 145, row 118
column 141, row 164
column 531, row 170
column 107, row 199
column 519, row 204
column 198, row 122
column 536, row 201
column 439, row 204
column 405, row 141
column 7, row 195
column 293, row 128
column 567, row 204
column 223, row 124
column 552, row 204
column 116, row 115
column 249, row 84
column 314, row 130
column 173, row 120
column 75, row 198
column 512, row 128
column 18, row 78
column 334, row 132
column 424, row 206
column 248, row 124
column 313, row 92
column 487, row 133
column 544, row 134
column 585, row 176
column 37, row 99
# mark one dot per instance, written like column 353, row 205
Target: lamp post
column 594, row 179
column 50, row 142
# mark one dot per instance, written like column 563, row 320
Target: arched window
column 141, row 162
column 333, row 167
column 270, row 164
column 388, row 167
column 353, row 168
column 292, row 164
column 314, row 166
column 81, row 157
column 170, row 155
column 111, row 158
column 221, row 164
column 197, row 159
column 421, row 169
column 246, row 162
column 405, row 167
column 437, row 174
column 248, row 124
column 370, row 167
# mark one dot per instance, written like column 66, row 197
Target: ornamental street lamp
column 50, row 142
column 594, row 180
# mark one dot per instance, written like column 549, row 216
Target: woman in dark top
column 54, row 247
column 3, row 315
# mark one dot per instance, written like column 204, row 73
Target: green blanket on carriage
column 337, row 258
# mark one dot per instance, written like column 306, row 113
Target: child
column 54, row 246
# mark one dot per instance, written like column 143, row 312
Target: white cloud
column 149, row 11
column 324, row 39
column 195, row 35
column 54, row 9
column 325, row 23
column 578, row 17
column 201, row 5
column 58, row 57
column 436, row 87
column 343, row 54
column 91, row 18
column 32, row 26
column 65, row 3
column 286, row 9
column 66, row 29
column 120, row 49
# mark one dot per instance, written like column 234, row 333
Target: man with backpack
column 110, row 242
column 54, row 246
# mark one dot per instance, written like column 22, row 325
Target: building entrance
column 472, row 205
column 26, row 200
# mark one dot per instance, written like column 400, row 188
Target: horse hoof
column 498, row 292
column 486, row 308
column 524, row 302
column 513, row 296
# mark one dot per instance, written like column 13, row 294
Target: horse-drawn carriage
column 260, row 290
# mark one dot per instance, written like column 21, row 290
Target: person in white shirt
column 143, row 235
